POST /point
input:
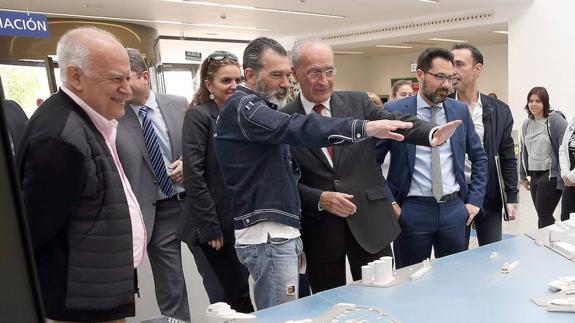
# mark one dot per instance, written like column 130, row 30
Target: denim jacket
column 252, row 143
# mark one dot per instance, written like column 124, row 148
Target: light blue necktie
column 155, row 153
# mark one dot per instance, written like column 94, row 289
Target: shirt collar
column 103, row 125
column 422, row 104
column 150, row 103
column 308, row 105
column 478, row 104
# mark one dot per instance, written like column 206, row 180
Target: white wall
column 541, row 51
column 174, row 51
column 375, row 73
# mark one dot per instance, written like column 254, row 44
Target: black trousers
column 567, row 202
column 545, row 196
column 326, row 262
column 488, row 227
column 231, row 275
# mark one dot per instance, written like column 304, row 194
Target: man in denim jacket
column 252, row 147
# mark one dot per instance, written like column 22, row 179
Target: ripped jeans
column 274, row 266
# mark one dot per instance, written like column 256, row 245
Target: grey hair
column 137, row 62
column 255, row 50
column 297, row 46
column 71, row 50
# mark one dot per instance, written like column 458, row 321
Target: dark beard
column 436, row 96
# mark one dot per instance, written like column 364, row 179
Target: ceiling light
column 167, row 22
column 233, row 6
column 393, row 46
column 449, row 40
column 504, row 32
column 430, row 1
column 347, row 52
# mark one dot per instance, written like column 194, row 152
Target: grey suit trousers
column 164, row 251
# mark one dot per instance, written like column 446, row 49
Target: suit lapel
column 171, row 123
column 135, row 129
column 338, row 110
column 411, row 108
column 315, row 151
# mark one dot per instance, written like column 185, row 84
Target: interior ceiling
column 356, row 13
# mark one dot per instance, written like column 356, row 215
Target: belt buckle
column 179, row 197
column 441, row 201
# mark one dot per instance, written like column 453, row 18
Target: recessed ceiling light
column 234, row 6
column 504, row 32
column 347, row 52
column 167, row 22
column 449, row 40
column 394, row 46
column 429, row 1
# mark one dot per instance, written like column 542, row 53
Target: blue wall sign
column 23, row 24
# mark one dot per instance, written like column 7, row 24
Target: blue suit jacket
column 464, row 140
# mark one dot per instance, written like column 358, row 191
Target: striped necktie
column 153, row 146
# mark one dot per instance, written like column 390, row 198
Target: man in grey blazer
column 150, row 147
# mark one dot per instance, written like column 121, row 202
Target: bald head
column 95, row 66
column 78, row 46
column 314, row 69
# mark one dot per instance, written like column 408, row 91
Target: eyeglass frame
column 316, row 75
column 440, row 77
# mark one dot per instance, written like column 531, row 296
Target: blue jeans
column 274, row 266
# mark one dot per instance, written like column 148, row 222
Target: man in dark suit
column 345, row 207
column 159, row 116
column 493, row 124
column 15, row 122
column 429, row 183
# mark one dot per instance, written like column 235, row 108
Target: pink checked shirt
column 108, row 129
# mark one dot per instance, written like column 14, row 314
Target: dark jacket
column 497, row 139
column 209, row 213
column 251, row 145
column 15, row 121
column 355, row 172
column 78, row 215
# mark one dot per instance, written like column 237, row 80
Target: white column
column 542, row 53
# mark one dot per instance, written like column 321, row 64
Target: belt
column 444, row 198
column 175, row 197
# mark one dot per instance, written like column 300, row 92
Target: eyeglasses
column 219, row 55
column 316, row 75
column 440, row 77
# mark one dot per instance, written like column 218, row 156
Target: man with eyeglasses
column 345, row 206
column 150, row 147
column 85, row 221
column 251, row 146
column 435, row 202
column 493, row 123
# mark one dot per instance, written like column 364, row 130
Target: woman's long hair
column 208, row 70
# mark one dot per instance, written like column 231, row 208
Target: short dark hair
column 429, row 54
column 475, row 53
column 255, row 49
column 541, row 92
column 137, row 62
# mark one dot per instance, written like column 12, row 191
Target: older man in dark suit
column 345, row 208
column 150, row 147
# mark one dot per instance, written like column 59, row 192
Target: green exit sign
column 193, row 56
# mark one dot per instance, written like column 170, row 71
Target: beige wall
column 374, row 73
